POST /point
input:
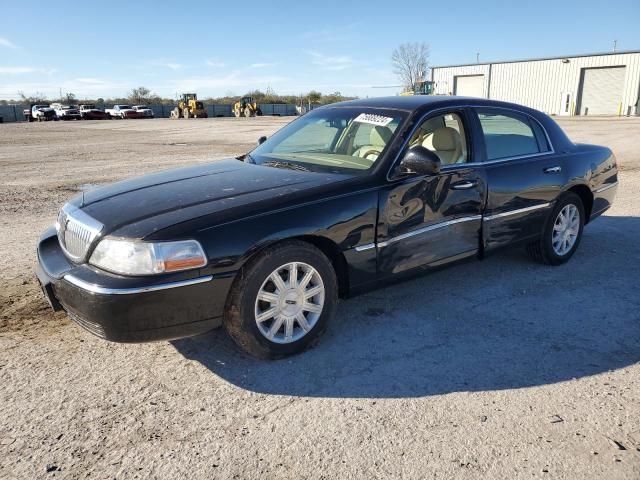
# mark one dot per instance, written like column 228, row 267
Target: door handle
column 552, row 169
column 464, row 185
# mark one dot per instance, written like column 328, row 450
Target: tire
column 243, row 306
column 247, row 112
column 545, row 250
column 187, row 113
column 236, row 112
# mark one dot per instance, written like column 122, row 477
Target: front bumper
column 130, row 309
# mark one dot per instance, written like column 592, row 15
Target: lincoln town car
column 346, row 198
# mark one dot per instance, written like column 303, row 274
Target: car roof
column 414, row 102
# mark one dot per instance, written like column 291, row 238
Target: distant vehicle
column 343, row 199
column 424, row 87
column 189, row 107
column 90, row 112
column 246, row 107
column 66, row 112
column 41, row 113
column 122, row 112
column 143, row 111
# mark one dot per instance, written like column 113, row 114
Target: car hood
column 224, row 190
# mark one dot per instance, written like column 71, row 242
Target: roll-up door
column 469, row 85
column 601, row 90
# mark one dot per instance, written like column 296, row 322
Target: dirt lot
column 498, row 369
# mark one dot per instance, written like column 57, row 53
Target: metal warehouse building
column 595, row 84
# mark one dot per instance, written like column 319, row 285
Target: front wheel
column 562, row 232
column 282, row 300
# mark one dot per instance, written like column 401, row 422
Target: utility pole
column 615, row 44
column 478, row 57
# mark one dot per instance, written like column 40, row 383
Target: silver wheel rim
column 289, row 302
column 565, row 230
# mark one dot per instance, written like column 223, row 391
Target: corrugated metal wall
column 540, row 83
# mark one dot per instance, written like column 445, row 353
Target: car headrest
column 446, row 138
column 380, row 136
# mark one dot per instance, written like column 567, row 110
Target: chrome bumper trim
column 606, row 187
column 96, row 289
column 515, row 212
column 430, row 228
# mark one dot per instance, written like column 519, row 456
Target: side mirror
column 261, row 140
column 420, row 161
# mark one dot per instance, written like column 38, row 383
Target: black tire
column 542, row 249
column 239, row 318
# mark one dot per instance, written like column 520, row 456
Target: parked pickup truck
column 40, row 113
column 143, row 111
column 90, row 112
column 66, row 112
column 122, row 111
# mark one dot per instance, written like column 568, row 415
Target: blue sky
column 105, row 48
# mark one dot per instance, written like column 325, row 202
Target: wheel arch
column 585, row 194
column 325, row 245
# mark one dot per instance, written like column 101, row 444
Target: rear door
column 524, row 175
column 427, row 220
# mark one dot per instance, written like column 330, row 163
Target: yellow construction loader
column 189, row 107
column 246, row 107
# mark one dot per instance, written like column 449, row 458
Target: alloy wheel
column 289, row 302
column 565, row 229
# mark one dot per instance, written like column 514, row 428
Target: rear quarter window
column 510, row 135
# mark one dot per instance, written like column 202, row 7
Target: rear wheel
column 282, row 300
column 247, row 112
column 187, row 113
column 562, row 232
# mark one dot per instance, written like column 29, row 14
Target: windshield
column 124, row 107
column 331, row 139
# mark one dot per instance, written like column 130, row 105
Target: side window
column 510, row 135
column 445, row 136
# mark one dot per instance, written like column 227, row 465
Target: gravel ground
column 494, row 369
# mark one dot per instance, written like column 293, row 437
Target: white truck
column 66, row 112
column 122, row 111
column 40, row 113
column 143, row 111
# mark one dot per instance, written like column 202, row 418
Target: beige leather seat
column 447, row 145
column 378, row 139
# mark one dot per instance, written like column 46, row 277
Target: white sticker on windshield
column 373, row 119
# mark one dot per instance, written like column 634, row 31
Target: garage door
column 601, row 90
column 469, row 85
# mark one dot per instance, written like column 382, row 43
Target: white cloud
column 235, row 79
column 327, row 62
column 261, row 65
column 16, row 70
column 5, row 42
column 213, row 63
column 170, row 65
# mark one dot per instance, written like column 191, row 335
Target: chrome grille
column 76, row 232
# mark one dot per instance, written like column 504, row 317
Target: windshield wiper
column 289, row 165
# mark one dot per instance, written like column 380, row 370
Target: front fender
column 346, row 221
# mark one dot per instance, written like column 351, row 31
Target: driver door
column 428, row 220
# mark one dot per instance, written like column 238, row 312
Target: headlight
column 129, row 257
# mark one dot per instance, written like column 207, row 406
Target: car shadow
column 502, row 323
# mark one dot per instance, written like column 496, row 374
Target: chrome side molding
column 97, row 289
column 516, row 212
column 606, row 187
column 429, row 228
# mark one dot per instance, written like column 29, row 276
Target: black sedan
column 341, row 200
